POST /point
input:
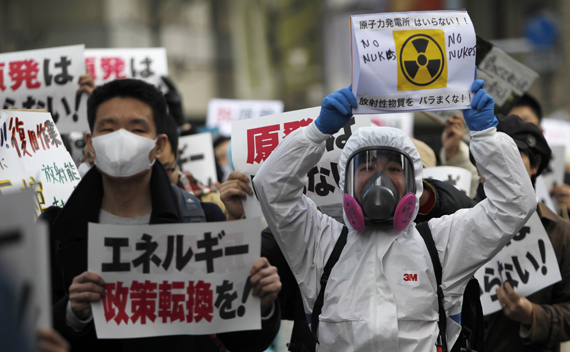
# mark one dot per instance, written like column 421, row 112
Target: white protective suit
column 368, row 306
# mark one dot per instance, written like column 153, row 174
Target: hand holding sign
column 265, row 283
column 515, row 307
column 336, row 111
column 482, row 115
column 232, row 192
column 85, row 288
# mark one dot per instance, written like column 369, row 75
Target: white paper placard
column 403, row 121
column 46, row 79
column 147, row 64
column 24, row 257
column 410, row 61
column 455, row 176
column 254, row 140
column 443, row 115
column 175, row 279
column 528, row 262
column 32, row 156
column 556, row 132
column 556, row 166
column 222, row 112
column 543, row 193
column 197, row 156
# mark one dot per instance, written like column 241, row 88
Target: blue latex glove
column 482, row 113
column 336, row 111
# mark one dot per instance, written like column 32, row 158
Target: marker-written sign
column 254, row 140
column 528, row 262
column 175, row 279
column 46, row 79
column 458, row 177
column 32, row 156
column 412, row 61
column 197, row 157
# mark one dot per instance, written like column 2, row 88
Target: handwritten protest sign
column 556, row 132
column 528, row 262
column 24, row 252
column 197, row 156
column 147, row 64
column 505, row 78
column 441, row 116
column 222, row 112
column 455, row 176
column 46, row 79
column 255, row 139
column 32, row 156
column 412, row 61
column 175, row 279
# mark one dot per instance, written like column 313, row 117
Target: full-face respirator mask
column 380, row 188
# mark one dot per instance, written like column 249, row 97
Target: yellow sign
column 421, row 59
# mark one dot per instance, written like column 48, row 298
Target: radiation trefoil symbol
column 421, row 59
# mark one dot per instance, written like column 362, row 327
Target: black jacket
column 448, row 200
column 68, row 243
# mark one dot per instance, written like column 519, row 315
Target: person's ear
column 161, row 142
column 89, row 143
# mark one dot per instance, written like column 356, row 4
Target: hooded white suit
column 368, row 306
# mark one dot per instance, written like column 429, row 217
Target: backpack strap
column 188, row 205
column 337, row 250
column 425, row 232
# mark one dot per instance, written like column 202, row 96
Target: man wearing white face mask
column 128, row 187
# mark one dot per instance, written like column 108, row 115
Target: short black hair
column 129, row 88
column 530, row 102
column 171, row 131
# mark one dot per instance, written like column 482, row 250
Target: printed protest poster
column 175, row 279
column 147, row 64
column 222, row 112
column 458, row 177
column 197, row 157
column 528, row 262
column 32, row 156
column 46, row 79
column 410, row 61
column 24, row 259
column 505, row 78
column 403, row 121
column 254, row 140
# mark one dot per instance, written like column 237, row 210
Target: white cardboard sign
column 32, row 156
column 46, row 79
column 254, row 140
column 197, row 156
column 403, row 121
column 556, row 132
column 222, row 112
column 455, row 176
column 175, row 279
column 528, row 262
column 410, row 61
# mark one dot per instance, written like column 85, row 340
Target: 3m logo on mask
column 409, row 278
column 421, row 59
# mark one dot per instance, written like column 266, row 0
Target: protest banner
column 197, row 156
column 410, row 61
column 153, row 289
column 46, row 79
column 222, row 112
column 441, row 116
column 556, row 132
column 527, row 262
column 543, row 193
column 254, row 140
column 506, row 79
column 403, row 121
column 458, row 177
column 33, row 157
column 24, row 259
column 147, row 64
column 554, row 174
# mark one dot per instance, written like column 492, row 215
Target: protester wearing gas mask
column 382, row 294
column 128, row 187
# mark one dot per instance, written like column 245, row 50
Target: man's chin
column 126, row 179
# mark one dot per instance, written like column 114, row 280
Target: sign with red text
column 32, row 156
column 175, row 279
column 222, row 112
column 197, row 157
column 147, row 64
column 528, row 262
column 46, row 79
column 403, row 121
column 254, row 140
column 412, row 61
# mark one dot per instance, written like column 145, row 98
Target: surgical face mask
column 122, row 153
column 380, row 188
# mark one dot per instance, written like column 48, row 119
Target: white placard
column 147, row 64
column 556, row 166
column 222, row 112
column 455, row 176
column 443, row 115
column 46, row 79
column 24, row 257
column 175, row 279
column 543, row 193
column 556, row 132
column 32, row 156
column 403, row 121
column 197, row 156
column 528, row 262
column 255, row 139
column 410, row 61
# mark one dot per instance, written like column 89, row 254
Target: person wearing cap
column 540, row 321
